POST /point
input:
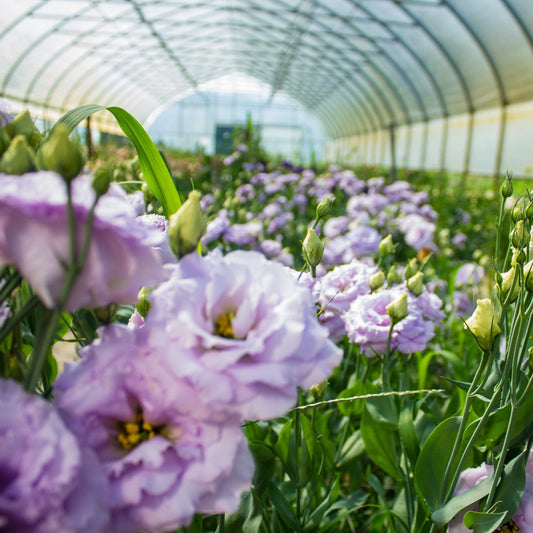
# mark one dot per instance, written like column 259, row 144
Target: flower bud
column 143, row 302
column 186, row 226
column 484, row 323
column 102, row 178
column 60, row 154
column 416, row 283
column 529, row 211
column 4, row 141
column 398, row 310
column 318, row 390
column 518, row 212
column 528, row 276
column 508, row 282
column 520, row 235
column 18, row 158
column 106, row 314
column 386, row 246
column 519, row 257
column 324, row 207
column 22, row 124
column 506, row 190
column 393, row 276
column 376, row 281
column 313, row 248
column 411, row 269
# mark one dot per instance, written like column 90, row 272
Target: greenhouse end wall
column 487, row 142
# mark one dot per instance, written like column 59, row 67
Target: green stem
column 15, row 319
column 11, row 282
column 45, row 336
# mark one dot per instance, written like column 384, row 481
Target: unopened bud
column 518, row 212
column 143, row 302
column 519, row 257
column 529, row 211
column 318, row 390
column 520, row 235
column 313, row 248
column 60, row 154
column 506, row 190
column 106, row 314
column 484, row 323
column 186, row 226
column 18, row 158
column 411, row 269
column 376, row 281
column 398, row 310
column 102, row 178
column 22, row 124
column 416, row 283
column 528, row 276
column 324, row 207
column 393, row 276
column 4, row 141
column 386, row 246
column 508, row 282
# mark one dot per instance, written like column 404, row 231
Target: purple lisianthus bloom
column 206, row 201
column 245, row 192
column 34, row 237
column 216, row 227
column 469, row 478
column 335, row 226
column 5, row 113
column 270, row 247
column 136, row 199
column 371, row 203
column 47, row 482
column 363, row 240
column 242, row 329
column 368, row 324
column 459, row 240
column 418, row 231
column 399, row 190
column 244, row 234
column 164, row 456
column 160, row 223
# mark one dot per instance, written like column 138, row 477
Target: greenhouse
column 266, row 266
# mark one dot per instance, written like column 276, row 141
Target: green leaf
column 431, row 464
column 247, row 518
column 283, row 509
column 265, row 464
column 483, row 522
column 408, row 434
column 381, row 443
column 154, row 169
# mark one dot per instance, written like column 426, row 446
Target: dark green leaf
column 483, row 522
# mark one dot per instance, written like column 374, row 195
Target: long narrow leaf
column 152, row 164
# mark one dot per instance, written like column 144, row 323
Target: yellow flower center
column 223, row 327
column 509, row 527
column 133, row 433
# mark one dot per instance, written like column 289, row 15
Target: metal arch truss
column 359, row 65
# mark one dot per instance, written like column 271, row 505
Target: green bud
column 376, row 281
column 529, row 211
column 102, row 178
column 313, row 248
column 318, row 390
column 386, row 246
column 186, row 226
column 416, row 283
column 518, row 212
column 398, row 310
column 484, row 323
column 528, row 276
column 393, row 276
column 18, row 158
column 508, row 282
column 22, row 124
column 412, row 268
column 143, row 301
column 520, row 235
column 147, row 193
column 519, row 257
column 324, row 207
column 60, row 154
column 506, row 189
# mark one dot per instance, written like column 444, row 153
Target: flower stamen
column 223, row 326
column 134, row 433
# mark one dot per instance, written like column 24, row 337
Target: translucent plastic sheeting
column 359, row 65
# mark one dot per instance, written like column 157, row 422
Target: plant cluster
column 287, row 350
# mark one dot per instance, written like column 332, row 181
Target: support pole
column 468, row 147
column 392, row 152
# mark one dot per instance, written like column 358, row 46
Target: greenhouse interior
column 339, row 194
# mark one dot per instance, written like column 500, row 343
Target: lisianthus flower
column 418, row 231
column 368, row 324
column 241, row 328
column 471, row 477
column 47, row 482
column 34, row 238
column 165, row 457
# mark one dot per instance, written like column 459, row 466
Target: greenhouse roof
column 359, row 65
